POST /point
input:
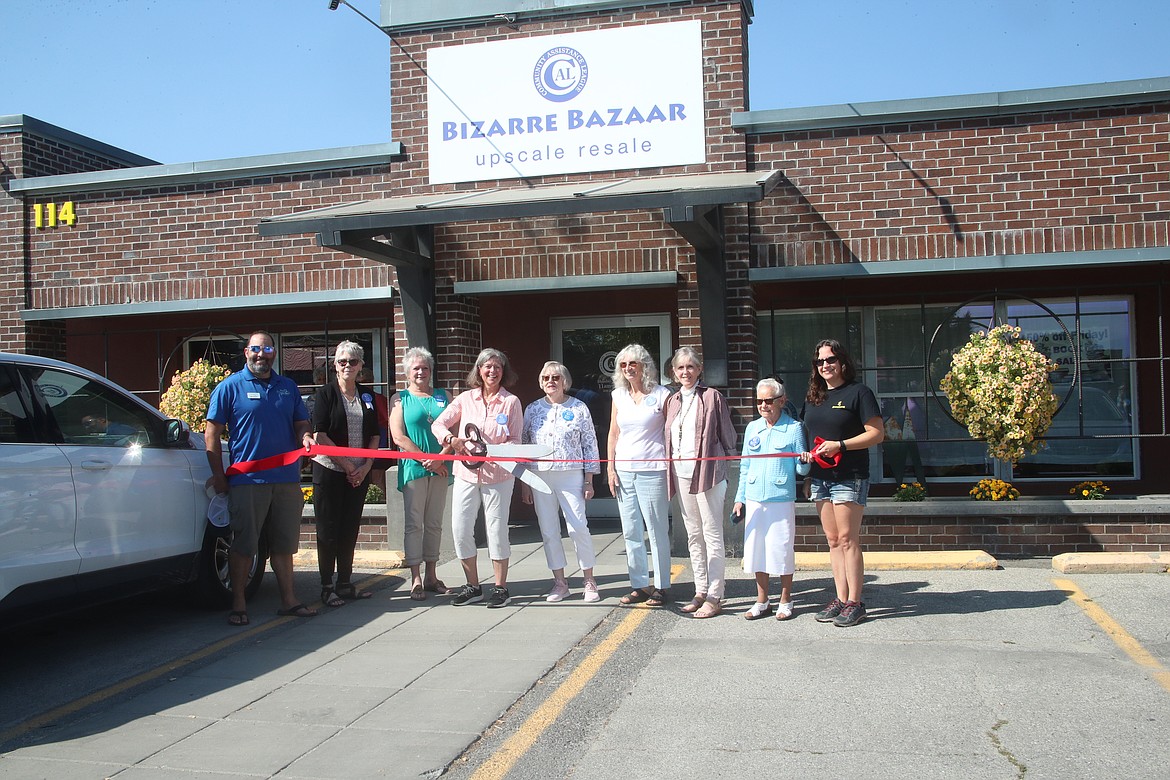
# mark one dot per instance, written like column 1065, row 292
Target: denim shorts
column 841, row 491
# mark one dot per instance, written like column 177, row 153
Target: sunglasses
column 829, row 361
column 629, row 364
column 256, row 349
column 551, row 378
column 767, row 401
column 349, row 362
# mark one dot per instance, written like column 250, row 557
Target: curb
column 362, row 559
column 906, row 561
column 1112, row 563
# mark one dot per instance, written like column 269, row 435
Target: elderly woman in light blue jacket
column 767, row 494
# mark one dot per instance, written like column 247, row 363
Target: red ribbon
column 289, row 458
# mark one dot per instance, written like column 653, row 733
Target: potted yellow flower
column 1088, row 491
column 994, row 490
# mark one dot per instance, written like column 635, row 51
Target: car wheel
column 212, row 582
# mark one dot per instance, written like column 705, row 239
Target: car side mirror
column 178, row 433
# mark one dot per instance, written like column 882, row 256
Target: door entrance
column 588, row 346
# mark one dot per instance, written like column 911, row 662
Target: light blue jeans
column 643, row 506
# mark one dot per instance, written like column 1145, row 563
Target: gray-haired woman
column 422, row 482
column 499, row 417
column 637, row 472
column 562, row 422
column 343, row 416
column 699, row 433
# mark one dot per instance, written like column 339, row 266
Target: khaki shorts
column 276, row 508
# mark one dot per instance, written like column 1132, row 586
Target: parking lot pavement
column 964, row 674
column 978, row 673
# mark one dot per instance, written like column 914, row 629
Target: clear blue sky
column 188, row 80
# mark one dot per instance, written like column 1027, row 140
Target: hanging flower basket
column 999, row 389
column 190, row 393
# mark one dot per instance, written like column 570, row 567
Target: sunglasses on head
column 830, row 360
column 256, row 349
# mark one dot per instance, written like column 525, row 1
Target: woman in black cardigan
column 344, row 416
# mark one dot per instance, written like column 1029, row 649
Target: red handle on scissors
column 824, row 461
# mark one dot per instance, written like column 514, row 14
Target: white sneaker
column 591, row 593
column 784, row 610
column 559, row 592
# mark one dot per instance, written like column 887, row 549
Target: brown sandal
column 418, row 593
column 699, row 600
column 635, row 596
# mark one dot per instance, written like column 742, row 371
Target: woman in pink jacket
column 698, row 425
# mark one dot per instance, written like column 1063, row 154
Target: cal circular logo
column 607, row 363
column 560, row 74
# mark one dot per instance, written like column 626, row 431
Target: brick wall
column 1030, row 536
column 1052, row 182
column 12, row 233
column 724, row 27
column 197, row 241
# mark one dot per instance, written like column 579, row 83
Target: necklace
column 682, row 416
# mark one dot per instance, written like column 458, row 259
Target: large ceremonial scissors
column 513, row 457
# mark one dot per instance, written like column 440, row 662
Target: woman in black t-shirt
column 845, row 413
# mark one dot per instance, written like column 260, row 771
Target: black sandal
column 658, row 598
column 330, row 598
column 348, row 592
column 636, row 596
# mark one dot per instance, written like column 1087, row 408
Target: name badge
column 567, row 416
column 253, row 396
column 501, row 419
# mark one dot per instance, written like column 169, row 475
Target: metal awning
column 639, row 192
column 400, row 231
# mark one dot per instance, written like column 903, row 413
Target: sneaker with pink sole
column 559, row 592
column 591, row 593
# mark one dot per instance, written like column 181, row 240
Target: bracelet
column 841, row 444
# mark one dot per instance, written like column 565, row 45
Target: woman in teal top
column 423, row 482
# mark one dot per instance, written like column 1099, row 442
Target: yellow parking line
column 546, row 714
column 1119, row 635
column 45, row 718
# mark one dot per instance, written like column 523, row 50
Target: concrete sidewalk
column 383, row 687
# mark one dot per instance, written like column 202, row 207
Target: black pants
column 337, row 507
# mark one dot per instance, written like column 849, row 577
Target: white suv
column 101, row 496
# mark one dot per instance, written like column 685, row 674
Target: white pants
column 703, row 517
column 496, row 499
column 567, row 496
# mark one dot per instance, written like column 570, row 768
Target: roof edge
column 18, row 123
column 1111, row 93
column 212, row 170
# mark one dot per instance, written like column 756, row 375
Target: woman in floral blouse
column 562, row 422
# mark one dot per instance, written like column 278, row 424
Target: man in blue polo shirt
column 264, row 414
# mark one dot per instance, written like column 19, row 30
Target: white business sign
column 592, row 101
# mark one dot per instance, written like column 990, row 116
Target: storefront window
column 904, row 351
